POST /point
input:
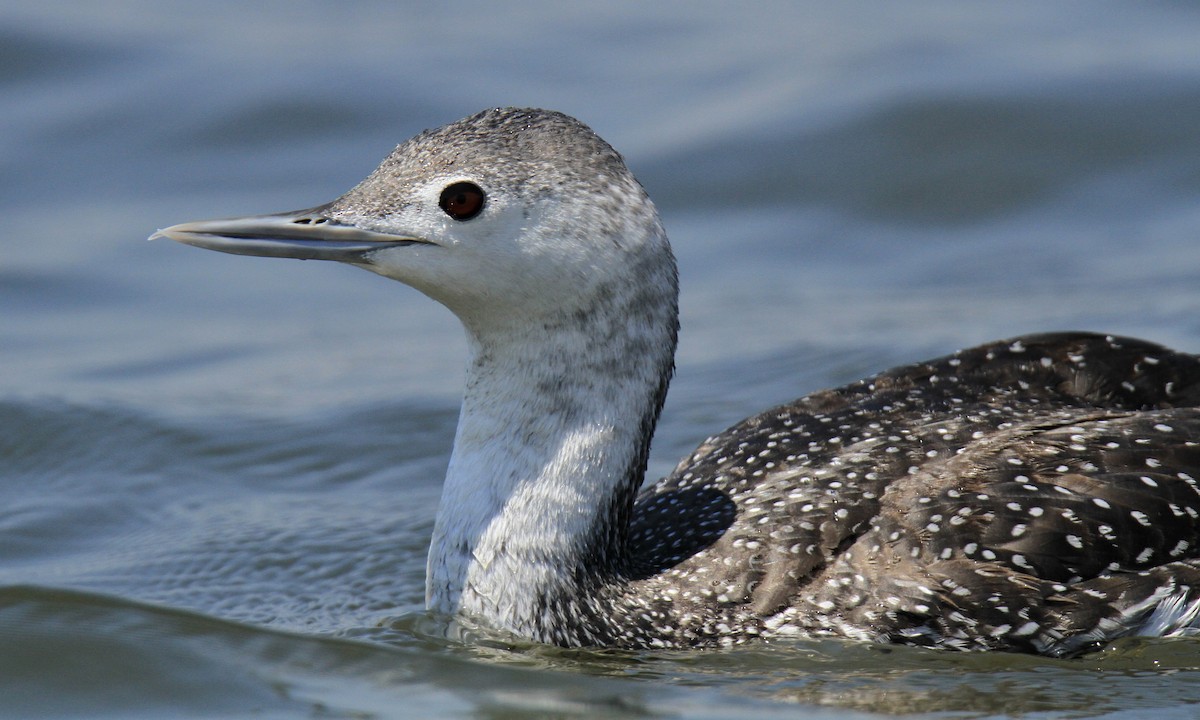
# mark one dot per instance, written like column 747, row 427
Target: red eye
column 462, row 200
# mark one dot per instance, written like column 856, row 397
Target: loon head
column 508, row 215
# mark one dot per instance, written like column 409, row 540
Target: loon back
column 1036, row 494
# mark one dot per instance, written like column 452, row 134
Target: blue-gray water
column 218, row 474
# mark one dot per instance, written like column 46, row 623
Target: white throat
column 549, row 453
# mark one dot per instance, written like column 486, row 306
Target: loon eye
column 462, row 200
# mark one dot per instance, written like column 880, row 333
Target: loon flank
column 1037, row 494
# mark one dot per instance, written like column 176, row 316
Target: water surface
column 218, row 475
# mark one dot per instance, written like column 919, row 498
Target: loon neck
column 549, row 454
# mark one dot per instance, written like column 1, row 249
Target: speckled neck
column 550, row 450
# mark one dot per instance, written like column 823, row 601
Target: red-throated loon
column 1036, row 494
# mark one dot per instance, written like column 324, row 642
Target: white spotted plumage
column 1033, row 494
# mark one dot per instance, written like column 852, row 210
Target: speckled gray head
column 522, row 152
column 510, row 210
